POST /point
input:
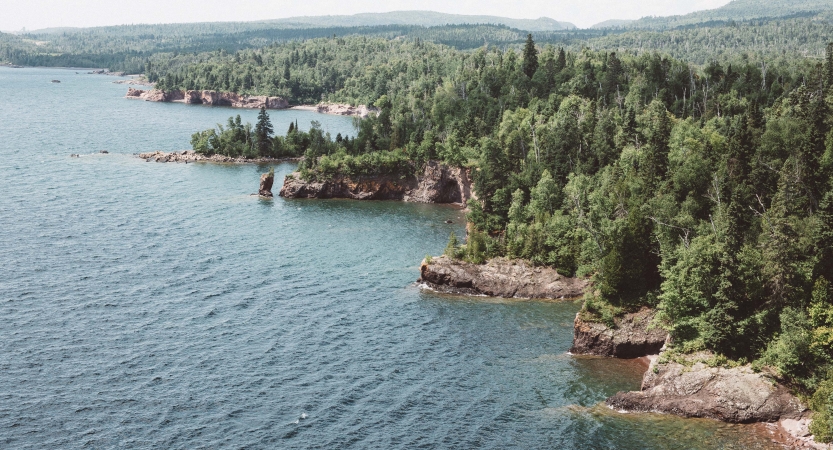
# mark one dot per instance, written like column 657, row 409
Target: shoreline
column 190, row 156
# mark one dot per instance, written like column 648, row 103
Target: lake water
column 147, row 305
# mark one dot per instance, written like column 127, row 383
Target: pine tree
column 291, row 128
column 530, row 64
column 263, row 130
column 614, row 72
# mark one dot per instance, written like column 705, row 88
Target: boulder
column 499, row 277
column 691, row 388
column 632, row 336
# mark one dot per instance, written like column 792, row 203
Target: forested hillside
column 706, row 193
column 738, row 11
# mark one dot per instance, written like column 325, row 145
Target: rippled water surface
column 147, row 305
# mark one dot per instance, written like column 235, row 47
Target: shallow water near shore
column 151, row 305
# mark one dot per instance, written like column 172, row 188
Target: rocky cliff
column 499, row 277
column 691, row 388
column 632, row 337
column 212, row 98
column 437, row 184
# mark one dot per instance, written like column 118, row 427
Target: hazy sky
column 35, row 14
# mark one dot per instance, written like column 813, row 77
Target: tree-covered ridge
column 737, row 11
column 769, row 41
column 131, row 47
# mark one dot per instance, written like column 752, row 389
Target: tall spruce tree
column 530, row 65
column 263, row 131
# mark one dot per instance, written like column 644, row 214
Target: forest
column 705, row 192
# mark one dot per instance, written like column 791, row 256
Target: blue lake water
column 147, row 305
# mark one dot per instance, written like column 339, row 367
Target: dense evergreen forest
column 703, row 192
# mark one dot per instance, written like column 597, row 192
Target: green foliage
column 453, row 246
column 822, row 405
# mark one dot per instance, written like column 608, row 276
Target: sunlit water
column 147, row 305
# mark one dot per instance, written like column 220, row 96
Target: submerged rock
column 693, row 389
column 632, row 337
column 438, row 184
column 266, row 181
column 499, row 277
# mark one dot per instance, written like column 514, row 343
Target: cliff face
column 212, row 98
column 499, row 278
column 631, row 338
column 737, row 395
column 438, row 184
column 360, row 188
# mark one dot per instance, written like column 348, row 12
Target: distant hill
column 739, row 10
column 611, row 24
column 416, row 18
column 424, row 18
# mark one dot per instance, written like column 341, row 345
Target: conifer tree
column 263, row 131
column 530, row 64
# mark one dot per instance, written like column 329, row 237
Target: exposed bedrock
column 693, row 389
column 632, row 337
column 346, row 110
column 212, row 98
column 437, row 184
column 499, row 277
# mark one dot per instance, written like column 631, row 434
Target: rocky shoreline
column 499, row 277
column 190, row 156
column 437, row 184
column 211, row 98
column 694, row 385
column 234, row 100
column 340, row 109
column 632, row 337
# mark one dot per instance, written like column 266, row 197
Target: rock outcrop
column 380, row 187
column 346, row 110
column 693, row 389
column 632, row 336
column 499, row 277
column 438, row 184
column 212, row 98
column 189, row 156
column 266, row 181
